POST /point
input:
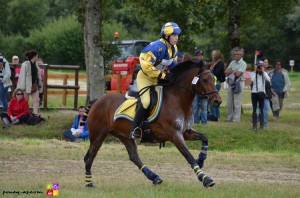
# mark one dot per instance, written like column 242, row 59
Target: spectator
column 18, row 110
column 41, row 94
column 218, row 69
column 200, row 104
column 5, row 81
column 258, row 93
column 235, row 78
column 15, row 72
column 281, row 84
column 77, row 132
column 186, row 56
column 267, row 67
column 30, row 80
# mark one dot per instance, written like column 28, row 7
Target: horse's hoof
column 90, row 185
column 208, row 182
column 157, row 181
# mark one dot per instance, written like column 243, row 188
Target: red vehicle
column 122, row 66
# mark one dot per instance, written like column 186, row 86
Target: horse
column 174, row 122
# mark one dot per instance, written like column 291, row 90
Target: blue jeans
column 216, row 111
column 3, row 96
column 266, row 111
column 200, row 110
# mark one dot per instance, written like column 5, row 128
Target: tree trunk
column 234, row 24
column 93, row 52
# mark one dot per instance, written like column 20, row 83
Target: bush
column 60, row 42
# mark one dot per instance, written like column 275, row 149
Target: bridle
column 203, row 93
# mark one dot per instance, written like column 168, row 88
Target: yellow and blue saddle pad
column 127, row 109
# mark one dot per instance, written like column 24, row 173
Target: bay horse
column 174, row 123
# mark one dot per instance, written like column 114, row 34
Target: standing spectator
column 186, row 56
column 281, row 84
column 218, row 69
column 234, row 73
column 30, row 80
column 18, row 110
column 41, row 94
column 15, row 72
column 5, row 81
column 77, row 132
column 200, row 104
column 267, row 67
column 258, row 92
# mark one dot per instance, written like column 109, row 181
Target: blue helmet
column 169, row 29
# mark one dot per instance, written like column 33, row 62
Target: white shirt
column 260, row 82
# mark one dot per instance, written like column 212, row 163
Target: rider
column 157, row 57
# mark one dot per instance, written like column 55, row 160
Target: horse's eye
column 205, row 80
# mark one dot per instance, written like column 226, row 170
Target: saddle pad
column 127, row 108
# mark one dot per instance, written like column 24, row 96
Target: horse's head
column 204, row 85
column 203, row 81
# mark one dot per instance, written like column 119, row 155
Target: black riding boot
column 261, row 122
column 136, row 132
column 254, row 121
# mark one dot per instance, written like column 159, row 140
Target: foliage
column 62, row 8
column 25, row 15
column 61, row 41
column 204, row 26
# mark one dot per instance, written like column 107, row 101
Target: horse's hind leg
column 191, row 135
column 90, row 156
column 182, row 147
column 134, row 157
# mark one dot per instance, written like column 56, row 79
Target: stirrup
column 136, row 133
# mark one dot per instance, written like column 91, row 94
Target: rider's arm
column 147, row 61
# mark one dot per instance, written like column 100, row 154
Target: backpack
column 34, row 119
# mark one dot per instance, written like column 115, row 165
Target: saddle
column 127, row 111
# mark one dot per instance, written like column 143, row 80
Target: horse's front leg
column 134, row 157
column 182, row 147
column 192, row 135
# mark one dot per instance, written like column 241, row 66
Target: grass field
column 243, row 163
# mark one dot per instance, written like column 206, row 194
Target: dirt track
column 167, row 171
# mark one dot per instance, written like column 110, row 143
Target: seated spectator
column 18, row 110
column 77, row 132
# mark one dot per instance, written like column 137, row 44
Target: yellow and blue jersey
column 156, row 56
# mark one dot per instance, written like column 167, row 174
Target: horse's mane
column 184, row 66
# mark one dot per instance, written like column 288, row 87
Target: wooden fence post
column 64, row 97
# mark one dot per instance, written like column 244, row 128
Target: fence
column 47, row 87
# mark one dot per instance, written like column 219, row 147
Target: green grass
column 29, row 164
column 243, row 163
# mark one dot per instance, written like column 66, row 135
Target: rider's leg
column 137, row 121
column 142, row 81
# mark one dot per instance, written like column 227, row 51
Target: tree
column 92, row 49
column 25, row 15
column 234, row 24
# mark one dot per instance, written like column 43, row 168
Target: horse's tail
column 85, row 116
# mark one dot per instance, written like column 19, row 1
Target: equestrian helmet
column 169, row 29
